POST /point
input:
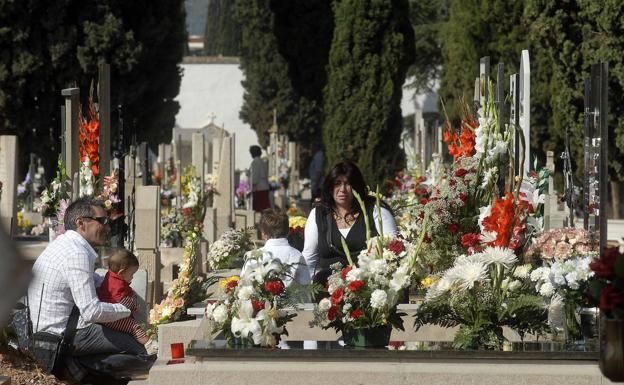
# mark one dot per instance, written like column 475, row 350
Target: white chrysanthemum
column 522, row 272
column 400, row 278
column 220, row 314
column 378, row 267
column 499, row 255
column 325, row 304
column 467, row 274
column 378, row 299
column 540, row 274
column 547, row 289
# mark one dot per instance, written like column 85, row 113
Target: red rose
column 344, row 272
column 610, row 298
column 356, row 285
column 463, row 197
column 336, row 297
column 257, row 305
column 331, row 313
column 275, row 287
column 357, row 313
column 604, row 267
column 427, row 238
column 396, row 246
column 453, row 228
column 424, row 201
column 461, row 172
column 421, row 191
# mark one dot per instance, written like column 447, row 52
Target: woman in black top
column 338, row 215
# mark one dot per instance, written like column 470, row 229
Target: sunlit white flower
column 467, row 274
column 547, row 289
column 378, row 298
column 325, row 304
column 220, row 313
column 499, row 255
column 522, row 271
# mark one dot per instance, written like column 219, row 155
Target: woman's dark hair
column 355, row 178
column 255, row 151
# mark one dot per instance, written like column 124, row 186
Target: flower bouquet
column 57, row 191
column 231, row 246
column 563, row 278
column 296, row 228
column 481, row 293
column 187, row 289
column 251, row 309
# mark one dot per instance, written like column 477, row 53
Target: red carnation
column 396, row 246
column 421, row 191
column 257, row 305
column 336, row 297
column 357, row 313
column 427, row 238
column 275, row 287
column 461, row 172
column 424, row 201
column 356, row 285
column 604, row 267
column 463, row 197
column 344, row 272
column 610, row 298
column 331, row 313
column 453, row 228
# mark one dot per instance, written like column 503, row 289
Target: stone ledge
column 4, row 380
column 274, row 372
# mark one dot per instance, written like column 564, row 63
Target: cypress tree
column 267, row 83
column 223, row 33
column 372, row 47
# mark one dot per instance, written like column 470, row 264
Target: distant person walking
column 259, row 181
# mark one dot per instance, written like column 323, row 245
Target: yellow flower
column 296, row 221
column 426, row 282
column 224, row 282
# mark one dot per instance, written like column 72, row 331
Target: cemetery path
column 23, row 370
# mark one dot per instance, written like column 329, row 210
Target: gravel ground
column 23, row 370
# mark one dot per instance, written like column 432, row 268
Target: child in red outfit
column 122, row 265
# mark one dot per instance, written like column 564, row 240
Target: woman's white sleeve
column 387, row 222
column 310, row 244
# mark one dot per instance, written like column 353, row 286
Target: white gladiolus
column 220, row 314
column 245, row 292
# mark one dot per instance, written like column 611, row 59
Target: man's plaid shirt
column 63, row 276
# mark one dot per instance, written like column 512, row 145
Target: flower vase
column 572, row 324
column 377, row 337
column 612, row 349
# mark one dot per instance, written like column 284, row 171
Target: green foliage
column 427, row 18
column 223, row 32
column 264, row 62
column 370, row 53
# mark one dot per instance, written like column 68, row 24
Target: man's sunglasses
column 102, row 220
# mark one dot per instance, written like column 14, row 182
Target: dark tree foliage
column 372, row 48
column 223, row 32
column 267, row 83
column 427, row 18
column 48, row 46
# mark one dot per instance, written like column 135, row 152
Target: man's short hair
column 80, row 208
column 122, row 259
column 274, row 224
column 255, row 150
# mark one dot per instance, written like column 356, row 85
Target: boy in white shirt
column 274, row 229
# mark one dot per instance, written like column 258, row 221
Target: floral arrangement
column 296, row 228
column 365, row 294
column 109, row 191
column 170, row 230
column 481, row 293
column 194, row 209
column 89, row 131
column 232, row 245
column 560, row 244
column 607, row 289
column 22, row 223
column 251, row 309
column 56, row 193
column 187, row 289
column 243, row 189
